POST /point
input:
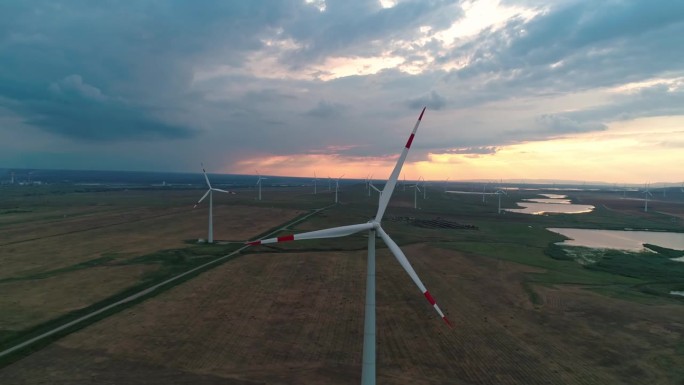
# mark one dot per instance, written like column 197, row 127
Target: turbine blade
column 203, row 196
column 389, row 186
column 205, row 175
column 219, row 190
column 375, row 188
column 327, row 233
column 403, row 261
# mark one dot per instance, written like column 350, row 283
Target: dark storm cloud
column 140, row 53
column 559, row 124
column 326, row 110
column 349, row 26
column 433, row 101
column 75, row 109
column 657, row 100
column 581, row 45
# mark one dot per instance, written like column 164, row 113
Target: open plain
column 293, row 314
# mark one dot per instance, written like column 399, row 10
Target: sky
column 515, row 89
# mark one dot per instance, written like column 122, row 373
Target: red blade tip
column 447, row 322
column 421, row 113
column 429, row 298
column 253, row 243
column 286, row 238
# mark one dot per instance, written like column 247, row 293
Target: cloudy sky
column 524, row 89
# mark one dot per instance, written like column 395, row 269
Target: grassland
column 292, row 313
column 63, row 251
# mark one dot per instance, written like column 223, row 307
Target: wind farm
column 326, row 313
column 504, row 200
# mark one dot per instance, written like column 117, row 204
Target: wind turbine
column 646, row 193
column 373, row 227
column 210, row 193
column 484, row 189
column 415, row 195
column 329, row 182
column 499, row 192
column 446, row 183
column 258, row 183
column 424, row 187
column 337, row 186
column 314, row 181
column 376, row 189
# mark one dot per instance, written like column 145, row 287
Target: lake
column 621, row 239
column 550, row 204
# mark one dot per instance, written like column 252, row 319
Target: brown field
column 29, row 302
column 296, row 318
column 40, row 250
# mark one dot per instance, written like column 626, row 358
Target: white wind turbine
column 646, row 193
column 415, row 194
column 375, row 188
column 314, row 182
column 210, row 193
column 369, row 182
column 337, row 186
column 499, row 193
column 373, row 227
column 424, row 187
column 258, row 183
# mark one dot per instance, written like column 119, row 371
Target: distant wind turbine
column 210, row 193
column 337, row 186
column 415, row 195
column 258, row 183
column 646, row 193
column 499, row 192
column 314, row 182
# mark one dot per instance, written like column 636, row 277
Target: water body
column 554, row 196
column 555, row 208
column 621, row 239
column 550, row 201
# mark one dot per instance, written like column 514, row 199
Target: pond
column 551, row 204
column 621, row 239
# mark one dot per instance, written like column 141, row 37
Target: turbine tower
column 258, row 183
column 646, row 193
column 375, row 188
column 337, row 186
column 415, row 195
column 314, row 182
column 499, row 192
column 210, row 193
column 424, row 187
column 374, row 228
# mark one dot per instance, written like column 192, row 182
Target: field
column 293, row 314
column 62, row 252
